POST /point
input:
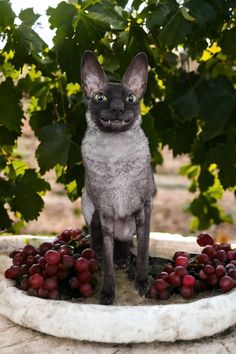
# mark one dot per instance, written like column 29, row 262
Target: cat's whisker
column 123, row 122
column 109, row 122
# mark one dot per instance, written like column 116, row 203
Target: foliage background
column 190, row 104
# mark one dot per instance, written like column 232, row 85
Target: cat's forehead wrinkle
column 115, row 89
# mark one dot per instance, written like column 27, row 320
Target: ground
column 168, row 205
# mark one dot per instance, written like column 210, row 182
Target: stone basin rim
column 149, row 322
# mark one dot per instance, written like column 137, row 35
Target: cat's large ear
column 135, row 77
column 93, row 77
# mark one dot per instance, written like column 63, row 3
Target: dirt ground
column 168, row 205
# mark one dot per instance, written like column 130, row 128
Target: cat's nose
column 117, row 108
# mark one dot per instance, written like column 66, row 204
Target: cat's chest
column 114, row 157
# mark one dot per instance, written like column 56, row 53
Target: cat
column 119, row 183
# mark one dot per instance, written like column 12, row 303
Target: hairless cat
column 119, row 184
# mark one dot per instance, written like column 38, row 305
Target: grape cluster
column 55, row 270
column 214, row 268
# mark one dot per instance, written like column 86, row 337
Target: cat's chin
column 115, row 125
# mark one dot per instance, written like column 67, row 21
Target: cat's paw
column 142, row 286
column 106, row 298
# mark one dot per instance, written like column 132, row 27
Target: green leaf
column 187, row 105
column 7, row 15
column 107, row 15
column 175, row 31
column 217, row 99
column 62, row 18
column 73, row 179
column 203, row 11
column 149, row 129
column 227, row 43
column 5, row 221
column 205, row 179
column 28, row 17
column 7, row 137
column 54, row 147
column 11, row 113
column 26, row 198
column 156, row 15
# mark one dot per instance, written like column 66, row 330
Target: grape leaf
column 175, row 31
column 203, row 11
column 61, row 18
column 11, row 113
column 26, row 197
column 54, row 147
column 5, row 221
column 217, row 99
column 7, row 137
column 28, row 17
column 7, row 15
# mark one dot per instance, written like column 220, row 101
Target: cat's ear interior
column 93, row 77
column 135, row 77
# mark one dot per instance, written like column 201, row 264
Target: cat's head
column 114, row 107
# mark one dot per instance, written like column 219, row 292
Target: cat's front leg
column 107, row 292
column 142, row 219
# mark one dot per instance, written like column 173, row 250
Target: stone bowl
column 117, row 324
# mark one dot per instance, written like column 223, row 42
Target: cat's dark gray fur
column 119, row 182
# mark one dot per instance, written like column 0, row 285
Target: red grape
column 204, row 239
column 93, row 265
column 67, row 262
column 65, row 235
column 168, row 267
column 24, row 284
column 209, row 269
column 36, row 281
column 182, row 261
column 231, row 255
column 189, row 280
column 152, row 292
column 50, row 284
column 202, row 275
column 202, row 258
column 30, row 260
column 209, row 250
column 226, row 283
column 35, row 268
column 164, row 294
column 62, row 274
column 232, row 273
column 81, row 264
column 44, row 247
column 174, row 279
column 13, row 272
column 74, row 283
column 181, row 271
column 51, row 269
column 220, row 271
column 29, row 250
column 182, row 254
column 212, row 279
column 221, row 255
column 18, row 260
column 52, row 257
column 200, row 285
column 74, row 232
column 86, row 289
column 160, row 284
column 88, row 253
column 32, row 291
column 186, row 291
column 84, row 277
column 43, row 293
column 66, row 249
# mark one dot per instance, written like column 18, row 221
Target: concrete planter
column 117, row 324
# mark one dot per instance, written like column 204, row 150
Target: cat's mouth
column 116, row 123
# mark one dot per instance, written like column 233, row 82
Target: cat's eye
column 131, row 98
column 100, row 97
